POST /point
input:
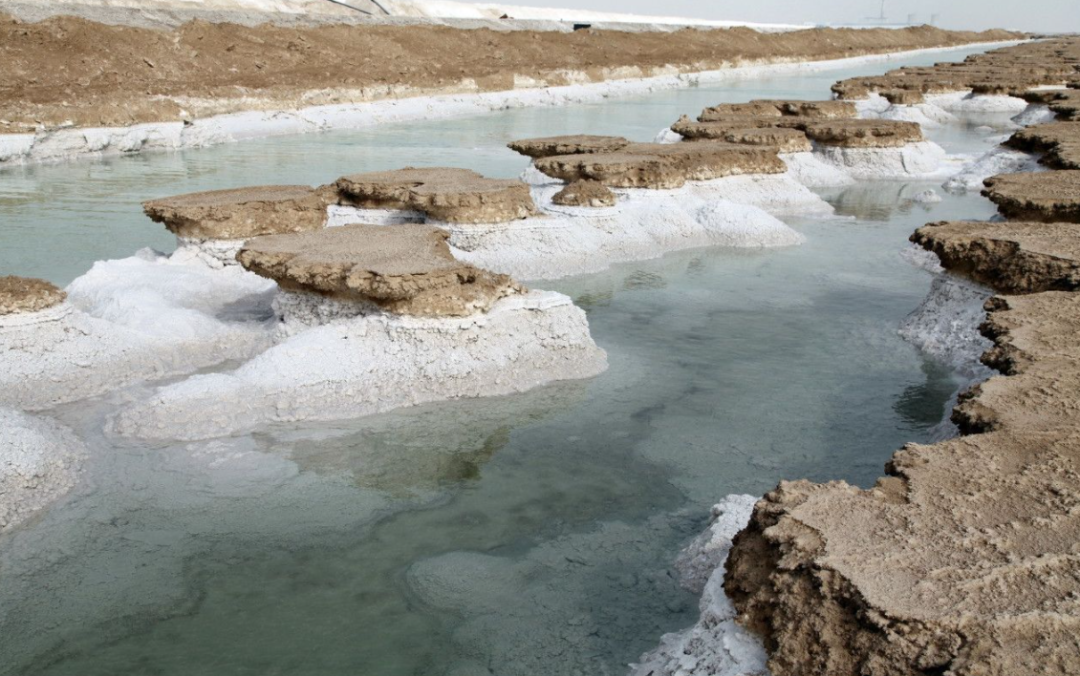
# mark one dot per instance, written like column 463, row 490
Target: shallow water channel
column 525, row 535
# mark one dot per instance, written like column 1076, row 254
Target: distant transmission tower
column 881, row 18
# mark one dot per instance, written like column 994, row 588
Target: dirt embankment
column 68, row 69
column 963, row 560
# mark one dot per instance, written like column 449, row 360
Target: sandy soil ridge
column 71, row 71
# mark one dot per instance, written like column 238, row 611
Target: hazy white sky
column 1031, row 15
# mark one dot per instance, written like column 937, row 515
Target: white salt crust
column 72, row 142
column 141, row 318
column 923, row 160
column 1036, row 113
column 564, row 241
column 811, row 171
column 716, row 645
column 39, row 464
column 945, row 325
column 996, row 161
column 374, row 363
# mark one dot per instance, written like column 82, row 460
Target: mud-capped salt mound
column 784, row 140
column 1041, row 196
column 1011, row 257
column 404, row 269
column 39, row 460
column 22, row 294
column 1059, row 140
column 585, row 194
column 822, row 110
column 864, row 133
column 652, row 165
column 717, row 129
column 444, row 194
column 240, row 213
column 377, row 362
column 567, row 145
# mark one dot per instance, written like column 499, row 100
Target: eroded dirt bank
column 67, row 69
column 963, row 560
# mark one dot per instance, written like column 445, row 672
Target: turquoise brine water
column 509, row 536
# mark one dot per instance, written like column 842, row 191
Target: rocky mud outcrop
column 403, row 269
column 1051, row 196
column 663, row 166
column 864, row 133
column 240, row 213
column 22, row 294
column 584, row 194
column 443, row 194
column 580, row 144
column 1058, row 141
column 1010, row 257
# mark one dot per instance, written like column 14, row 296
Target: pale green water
column 524, row 535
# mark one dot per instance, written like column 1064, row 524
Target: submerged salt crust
column 39, row 464
column 62, row 144
column 142, row 318
column 373, row 363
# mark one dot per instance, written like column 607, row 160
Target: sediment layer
column 1060, row 141
column 444, row 194
column 815, row 110
column 1010, row 257
column 404, row 269
column 1043, row 196
column 652, row 165
column 69, row 70
column 580, row 144
column 22, row 294
column 240, row 213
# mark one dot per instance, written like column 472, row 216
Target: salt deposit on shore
column 141, row 318
column 39, row 463
column 378, row 362
column 64, row 144
column 716, row 645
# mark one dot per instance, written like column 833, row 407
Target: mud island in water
column 374, row 319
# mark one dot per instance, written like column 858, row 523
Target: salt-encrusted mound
column 240, row 213
column 716, row 645
column 141, row 318
column 567, row 145
column 997, row 161
column 39, row 463
column 813, row 172
column 644, row 224
column 585, row 194
column 659, row 166
column 1010, row 257
column 406, row 269
column 766, row 131
column 915, row 160
column 1034, row 114
column 378, row 362
column 22, row 294
column 864, row 133
column 452, row 195
column 1049, row 196
column 777, row 194
column 963, row 103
